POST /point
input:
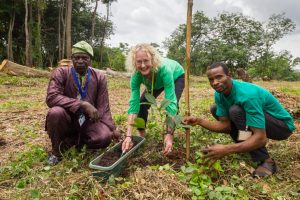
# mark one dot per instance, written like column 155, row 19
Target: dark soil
column 110, row 157
column 154, row 156
column 2, row 141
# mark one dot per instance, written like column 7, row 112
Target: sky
column 139, row 21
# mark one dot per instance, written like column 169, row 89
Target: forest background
column 39, row 33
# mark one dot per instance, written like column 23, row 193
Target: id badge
column 81, row 119
column 244, row 135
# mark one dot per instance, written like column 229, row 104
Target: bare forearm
column 131, row 119
column 215, row 126
column 250, row 144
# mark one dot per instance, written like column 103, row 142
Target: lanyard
column 84, row 92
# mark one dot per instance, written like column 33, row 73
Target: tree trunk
column 30, row 26
column 26, row 35
column 9, row 36
column 64, row 20
column 59, row 32
column 93, row 24
column 104, row 34
column 68, row 28
column 187, row 71
column 51, row 58
column 38, row 43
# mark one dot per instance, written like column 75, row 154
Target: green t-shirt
column 168, row 71
column 255, row 100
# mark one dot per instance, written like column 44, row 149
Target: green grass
column 22, row 81
column 290, row 91
column 20, row 104
column 24, row 173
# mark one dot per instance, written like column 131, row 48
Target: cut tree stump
column 14, row 69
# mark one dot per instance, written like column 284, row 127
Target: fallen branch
column 10, row 68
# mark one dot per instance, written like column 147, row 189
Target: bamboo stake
column 187, row 72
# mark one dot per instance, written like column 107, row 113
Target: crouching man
column 79, row 111
column 249, row 113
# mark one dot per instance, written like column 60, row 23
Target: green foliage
column 23, row 164
column 138, row 123
column 119, row 119
column 279, row 67
column 237, row 40
column 151, row 99
column 111, row 58
column 172, row 121
column 25, row 174
column 35, row 194
column 200, row 178
column 44, row 39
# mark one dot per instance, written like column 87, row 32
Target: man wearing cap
column 79, row 111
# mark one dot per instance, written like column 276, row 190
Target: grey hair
column 130, row 63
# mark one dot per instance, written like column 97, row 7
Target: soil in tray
column 110, row 157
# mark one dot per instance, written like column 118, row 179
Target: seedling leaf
column 151, row 99
column 138, row 123
column 164, row 104
column 170, row 122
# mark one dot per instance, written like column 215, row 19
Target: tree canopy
column 40, row 33
column 46, row 24
column 238, row 40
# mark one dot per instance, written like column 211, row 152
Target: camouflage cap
column 83, row 47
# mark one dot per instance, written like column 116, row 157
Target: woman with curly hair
column 157, row 74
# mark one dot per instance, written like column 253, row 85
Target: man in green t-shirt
column 249, row 113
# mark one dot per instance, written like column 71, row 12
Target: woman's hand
column 127, row 144
column 168, row 144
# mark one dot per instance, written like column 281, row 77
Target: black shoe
column 53, row 160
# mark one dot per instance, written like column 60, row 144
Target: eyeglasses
column 140, row 62
column 84, row 58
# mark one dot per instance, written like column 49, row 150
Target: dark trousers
column 275, row 129
column 179, row 86
column 64, row 131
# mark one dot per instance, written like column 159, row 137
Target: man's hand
column 127, row 144
column 216, row 151
column 168, row 144
column 91, row 112
column 190, row 120
column 116, row 135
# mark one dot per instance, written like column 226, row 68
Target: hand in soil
column 216, row 151
column 127, row 144
column 168, row 143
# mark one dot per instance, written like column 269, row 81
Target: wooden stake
column 187, row 72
